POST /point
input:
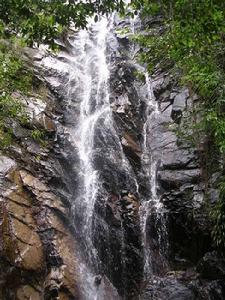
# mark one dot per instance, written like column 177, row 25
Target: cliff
column 145, row 233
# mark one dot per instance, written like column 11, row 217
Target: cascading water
column 94, row 107
column 153, row 206
column 150, row 166
column 95, row 121
column 83, row 74
column 94, row 134
column 86, row 91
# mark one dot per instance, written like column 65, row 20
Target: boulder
column 211, row 290
column 178, row 158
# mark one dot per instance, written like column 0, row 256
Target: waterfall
column 94, row 134
column 94, row 108
column 103, row 172
column 153, row 206
column 150, row 166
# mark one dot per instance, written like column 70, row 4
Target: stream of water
column 94, row 137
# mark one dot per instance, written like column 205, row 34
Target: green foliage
column 9, row 107
column 41, row 21
column 38, row 135
column 13, row 74
column 5, row 136
column 140, row 76
column 218, row 216
column 123, row 31
column 13, row 78
column 216, row 124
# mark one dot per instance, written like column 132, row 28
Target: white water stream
column 87, row 68
column 150, row 166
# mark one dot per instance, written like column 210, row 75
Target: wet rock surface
column 167, row 288
column 181, row 184
column 40, row 226
column 212, row 266
column 182, row 190
column 38, row 251
column 120, row 250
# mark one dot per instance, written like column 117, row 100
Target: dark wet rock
column 167, row 288
column 213, row 290
column 120, row 231
column 161, row 83
column 213, row 195
column 179, row 172
column 18, row 131
column 180, row 159
column 181, row 189
column 129, row 143
column 180, row 285
column 98, row 280
column 128, row 108
column 212, row 266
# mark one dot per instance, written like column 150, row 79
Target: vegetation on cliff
column 30, row 23
column 187, row 37
column 13, row 77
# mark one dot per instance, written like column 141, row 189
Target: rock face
column 115, row 156
column 181, row 182
column 120, row 247
column 38, row 250
column 182, row 191
column 136, row 229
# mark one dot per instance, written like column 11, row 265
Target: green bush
column 14, row 77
